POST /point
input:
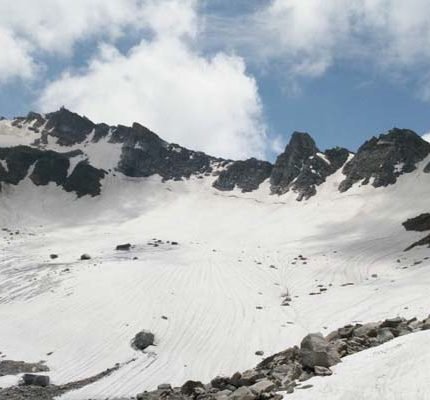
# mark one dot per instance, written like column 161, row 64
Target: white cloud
column 14, row 58
column 310, row 36
column 55, row 25
column 207, row 104
column 427, row 137
column 29, row 30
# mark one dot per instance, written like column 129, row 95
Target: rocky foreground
column 274, row 377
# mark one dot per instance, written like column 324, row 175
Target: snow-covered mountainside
column 216, row 247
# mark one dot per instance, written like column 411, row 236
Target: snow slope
column 210, row 285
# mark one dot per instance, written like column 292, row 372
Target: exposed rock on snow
column 143, row 339
column 283, row 372
column 123, row 247
column 316, row 351
column 385, row 158
column 302, row 166
column 49, row 391
column 245, row 175
column 419, row 224
column 36, row 380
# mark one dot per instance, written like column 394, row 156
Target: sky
column 233, row 78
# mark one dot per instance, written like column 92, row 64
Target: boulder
column 220, row 382
column 384, row 335
column 143, row 339
column 315, row 350
column 189, row 387
column 346, row 331
column 123, row 247
column 249, row 377
column 392, row 322
column 263, row 386
column 243, row 393
column 426, row 324
column 36, row 380
column 85, row 257
column 370, row 329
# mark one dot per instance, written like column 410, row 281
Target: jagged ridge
column 301, row 168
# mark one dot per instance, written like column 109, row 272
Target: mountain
column 129, row 262
column 61, row 147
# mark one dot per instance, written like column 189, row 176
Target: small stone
column 322, row 371
column 123, row 247
column 259, row 353
column 85, row 257
column 164, row 386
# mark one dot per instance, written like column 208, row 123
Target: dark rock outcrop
column 302, row 166
column 145, row 154
column 422, row 242
column 49, row 166
column 85, row 180
column 36, row 380
column 385, row 158
column 421, row 223
column 246, row 175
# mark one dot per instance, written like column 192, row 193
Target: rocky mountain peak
column 302, row 166
column 381, row 160
column 289, row 164
column 300, row 169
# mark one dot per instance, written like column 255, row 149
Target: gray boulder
column 263, row 386
column 384, row 335
column 143, row 339
column 243, row 393
column 36, row 380
column 189, row 388
column 370, row 329
column 316, row 351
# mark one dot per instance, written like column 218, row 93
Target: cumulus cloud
column 310, row 36
column 29, row 30
column 206, row 103
column 14, row 60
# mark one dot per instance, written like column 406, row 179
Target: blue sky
column 229, row 78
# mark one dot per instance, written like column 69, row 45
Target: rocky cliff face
column 59, row 137
column 246, row 175
column 145, row 154
column 303, row 166
column 380, row 161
